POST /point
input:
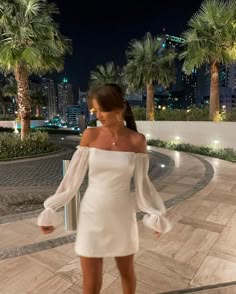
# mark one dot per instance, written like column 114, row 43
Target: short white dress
column 107, row 224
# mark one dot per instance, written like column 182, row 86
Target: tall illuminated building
column 65, row 97
column 227, row 86
column 185, row 86
column 49, row 91
column 83, row 103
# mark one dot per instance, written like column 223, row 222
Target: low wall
column 16, row 124
column 219, row 134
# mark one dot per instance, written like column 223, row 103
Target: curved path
column 198, row 255
column 26, row 183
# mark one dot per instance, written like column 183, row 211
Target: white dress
column 107, row 219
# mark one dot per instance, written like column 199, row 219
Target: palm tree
column 29, row 43
column 149, row 64
column 211, row 39
column 110, row 73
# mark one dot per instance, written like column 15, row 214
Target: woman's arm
column 69, row 185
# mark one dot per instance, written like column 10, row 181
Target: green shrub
column 171, row 115
column 9, row 117
column 197, row 114
column 139, row 113
column 92, row 123
column 52, row 130
column 192, row 114
column 37, row 118
column 36, row 143
column 226, row 153
column 6, row 130
column 230, row 116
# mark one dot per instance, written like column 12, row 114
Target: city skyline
column 102, row 33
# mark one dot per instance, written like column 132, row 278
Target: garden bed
column 11, row 146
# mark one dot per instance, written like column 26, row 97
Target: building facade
column 49, row 91
column 65, row 97
column 227, row 86
column 185, row 87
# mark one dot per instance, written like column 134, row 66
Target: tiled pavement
column 200, row 251
column 26, row 183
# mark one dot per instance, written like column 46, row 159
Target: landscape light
column 216, row 142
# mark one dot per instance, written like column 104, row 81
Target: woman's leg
column 125, row 265
column 92, row 274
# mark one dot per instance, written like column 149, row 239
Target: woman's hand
column 157, row 234
column 46, row 229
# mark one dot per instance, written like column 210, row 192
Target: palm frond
column 108, row 73
column 147, row 62
column 30, row 35
column 211, row 34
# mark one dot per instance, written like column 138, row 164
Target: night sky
column 101, row 31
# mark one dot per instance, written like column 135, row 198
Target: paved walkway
column 199, row 252
column 25, row 184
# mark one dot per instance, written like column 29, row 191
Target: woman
column 107, row 225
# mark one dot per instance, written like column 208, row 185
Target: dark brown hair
column 111, row 97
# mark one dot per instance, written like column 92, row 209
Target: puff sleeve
column 68, row 187
column 147, row 198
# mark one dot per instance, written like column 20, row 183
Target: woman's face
column 107, row 118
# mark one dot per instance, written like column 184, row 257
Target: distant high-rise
column 230, row 77
column 48, row 88
column 83, row 102
column 185, row 85
column 227, row 86
column 73, row 114
column 65, row 97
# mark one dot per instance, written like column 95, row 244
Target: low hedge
column 192, row 114
column 55, row 131
column 226, row 154
column 36, row 143
column 6, row 130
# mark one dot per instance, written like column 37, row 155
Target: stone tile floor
column 200, row 251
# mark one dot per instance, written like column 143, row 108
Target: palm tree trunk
column 214, row 92
column 23, row 98
column 150, row 111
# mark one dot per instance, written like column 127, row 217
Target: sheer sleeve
column 147, row 198
column 67, row 189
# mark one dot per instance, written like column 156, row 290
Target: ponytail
column 129, row 118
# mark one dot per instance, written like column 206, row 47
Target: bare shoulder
column 139, row 141
column 88, row 136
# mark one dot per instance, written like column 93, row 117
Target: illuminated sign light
column 175, row 39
